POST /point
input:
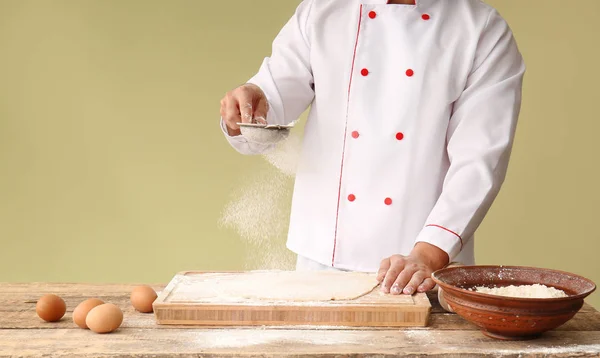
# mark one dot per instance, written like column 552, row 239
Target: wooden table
column 23, row 334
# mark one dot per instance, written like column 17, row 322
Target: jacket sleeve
column 479, row 139
column 285, row 77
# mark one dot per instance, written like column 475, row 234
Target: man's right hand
column 245, row 104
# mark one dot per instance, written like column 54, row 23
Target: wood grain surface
column 23, row 334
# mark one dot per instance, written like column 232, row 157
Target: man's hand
column 244, row 104
column 409, row 274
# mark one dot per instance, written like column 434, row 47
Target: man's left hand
column 409, row 274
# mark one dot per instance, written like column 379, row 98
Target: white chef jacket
column 413, row 110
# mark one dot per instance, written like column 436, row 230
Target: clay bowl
column 509, row 318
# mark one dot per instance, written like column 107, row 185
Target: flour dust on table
column 259, row 210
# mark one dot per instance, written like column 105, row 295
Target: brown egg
column 142, row 298
column 82, row 310
column 51, row 308
column 104, row 318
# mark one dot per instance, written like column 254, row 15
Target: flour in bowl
column 524, row 291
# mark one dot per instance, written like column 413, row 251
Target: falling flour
column 523, row 291
column 260, row 208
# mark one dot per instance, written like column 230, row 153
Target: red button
column 364, row 72
column 355, row 134
column 410, row 72
column 351, row 197
column 388, row 201
column 399, row 135
column 425, row 17
column 372, row 14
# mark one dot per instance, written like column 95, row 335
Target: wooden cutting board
column 179, row 304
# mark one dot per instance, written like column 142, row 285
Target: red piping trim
column 450, row 231
column 413, row 3
column 337, row 214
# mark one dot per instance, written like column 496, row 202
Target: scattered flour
column 424, row 336
column 524, row 291
column 259, row 210
column 240, row 338
column 567, row 350
column 286, row 155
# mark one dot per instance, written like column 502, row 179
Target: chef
column 413, row 109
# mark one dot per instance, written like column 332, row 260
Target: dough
column 276, row 286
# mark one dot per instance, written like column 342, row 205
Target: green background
column 113, row 167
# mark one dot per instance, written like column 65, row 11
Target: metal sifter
column 264, row 133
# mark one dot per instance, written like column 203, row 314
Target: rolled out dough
column 278, row 286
